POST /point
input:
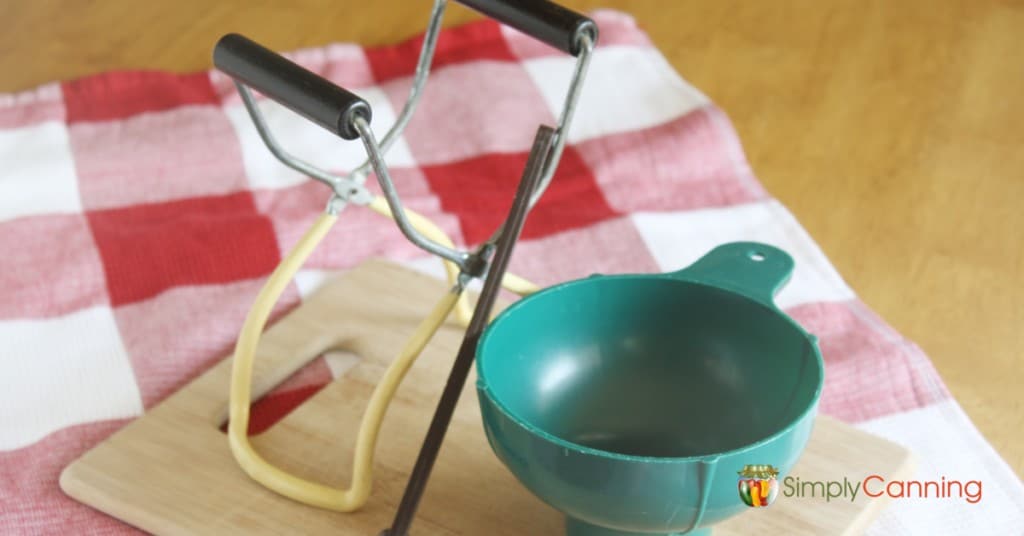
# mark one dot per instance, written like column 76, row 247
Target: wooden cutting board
column 170, row 471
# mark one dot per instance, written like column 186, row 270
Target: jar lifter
column 348, row 116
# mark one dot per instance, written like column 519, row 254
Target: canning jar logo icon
column 758, row 485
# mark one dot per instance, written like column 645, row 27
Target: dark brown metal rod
column 542, row 144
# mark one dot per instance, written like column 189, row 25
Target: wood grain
column 891, row 129
column 170, row 471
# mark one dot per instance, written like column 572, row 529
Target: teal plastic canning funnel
column 630, row 402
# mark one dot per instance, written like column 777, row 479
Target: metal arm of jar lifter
column 585, row 45
column 585, row 42
column 575, row 35
column 349, row 187
column 464, row 260
column 475, row 264
column 349, row 116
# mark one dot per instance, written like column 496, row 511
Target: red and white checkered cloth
column 140, row 213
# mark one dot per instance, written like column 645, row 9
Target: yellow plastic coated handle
column 287, row 484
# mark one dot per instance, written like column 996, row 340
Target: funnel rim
column 674, row 278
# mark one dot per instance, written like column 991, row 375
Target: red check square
column 479, row 191
column 149, row 248
column 117, row 95
column 474, row 42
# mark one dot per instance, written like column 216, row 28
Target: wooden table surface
column 893, row 130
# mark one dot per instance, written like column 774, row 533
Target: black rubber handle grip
column 542, row 20
column 277, row 77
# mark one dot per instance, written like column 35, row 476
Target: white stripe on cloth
column 37, row 172
column 628, row 88
column 308, row 141
column 946, row 444
column 677, row 239
column 62, row 371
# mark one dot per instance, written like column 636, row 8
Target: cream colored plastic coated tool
column 287, row 484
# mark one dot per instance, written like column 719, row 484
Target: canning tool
column 348, row 116
column 614, row 459
column 193, row 486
